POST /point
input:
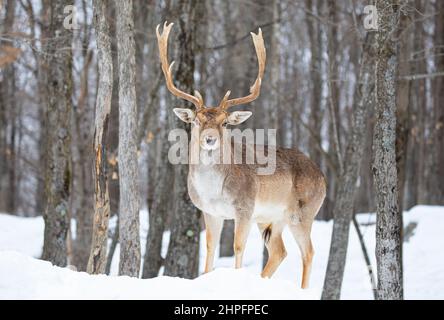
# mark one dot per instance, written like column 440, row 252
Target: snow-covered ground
column 22, row 276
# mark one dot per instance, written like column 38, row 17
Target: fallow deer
column 291, row 196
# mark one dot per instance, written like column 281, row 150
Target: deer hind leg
column 275, row 246
column 213, row 227
column 242, row 228
column 301, row 233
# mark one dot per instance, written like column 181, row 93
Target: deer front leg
column 242, row 228
column 213, row 226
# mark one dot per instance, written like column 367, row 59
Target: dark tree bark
column 42, row 94
column 315, row 122
column 388, row 222
column 158, row 211
column 416, row 145
column 113, row 128
column 227, row 240
column 128, row 172
column 97, row 257
column 58, row 120
column 343, row 208
column 82, row 161
column 183, row 251
column 403, row 107
column 82, row 158
column 335, row 153
column 8, row 116
column 153, row 130
column 438, row 106
column 227, row 235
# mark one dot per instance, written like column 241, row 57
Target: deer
column 291, row 196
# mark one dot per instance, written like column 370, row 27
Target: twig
column 235, row 41
column 366, row 256
column 422, row 76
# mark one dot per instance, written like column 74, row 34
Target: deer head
column 210, row 121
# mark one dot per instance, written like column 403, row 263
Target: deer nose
column 210, row 140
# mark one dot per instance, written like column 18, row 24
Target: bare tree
column 403, row 104
column 97, row 258
column 82, row 204
column 183, row 251
column 438, row 110
column 58, row 120
column 129, row 189
column 158, row 211
column 227, row 236
column 113, row 134
column 343, row 207
column 8, row 115
column 388, row 222
column 315, row 40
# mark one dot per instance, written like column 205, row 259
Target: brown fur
column 297, row 184
column 295, row 190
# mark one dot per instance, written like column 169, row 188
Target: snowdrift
column 23, row 276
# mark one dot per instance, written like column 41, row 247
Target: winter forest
column 86, row 115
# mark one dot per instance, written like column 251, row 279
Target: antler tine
column 256, row 87
column 162, row 41
column 223, row 103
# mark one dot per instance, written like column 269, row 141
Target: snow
column 28, row 278
column 23, row 276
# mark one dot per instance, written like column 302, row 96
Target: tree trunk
column 227, row 239
column 227, row 236
column 343, row 208
column 8, row 107
column 388, row 222
column 159, row 209
column 82, row 164
column 58, row 121
column 42, row 81
column 315, row 122
column 333, row 172
column 403, row 108
column 128, row 173
column 113, row 128
column 183, row 251
column 97, row 258
column 438, row 99
column 415, row 170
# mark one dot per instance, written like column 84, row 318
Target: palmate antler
column 256, row 88
column 162, row 40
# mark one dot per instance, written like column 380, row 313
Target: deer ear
column 237, row 117
column 186, row 115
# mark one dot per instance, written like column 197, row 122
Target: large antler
column 162, row 40
column 256, row 88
